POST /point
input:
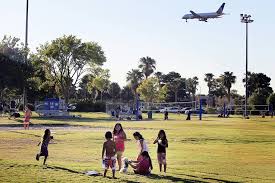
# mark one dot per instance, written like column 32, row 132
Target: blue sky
column 130, row 29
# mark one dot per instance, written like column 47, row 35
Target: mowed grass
column 211, row 150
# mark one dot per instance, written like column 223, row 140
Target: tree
column 127, row 94
column 209, row 79
column 257, row 81
column 134, row 78
column 147, row 66
column 100, row 83
column 191, row 86
column 175, row 86
column 159, row 76
column 151, row 91
column 271, row 100
column 114, row 91
column 236, row 97
column 258, row 97
column 83, row 86
column 66, row 59
column 17, row 71
column 218, row 88
column 227, row 80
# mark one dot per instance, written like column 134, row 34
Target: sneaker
column 37, row 157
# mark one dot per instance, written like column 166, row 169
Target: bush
column 89, row 106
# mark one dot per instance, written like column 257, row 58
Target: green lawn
column 212, row 150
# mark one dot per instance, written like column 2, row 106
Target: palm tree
column 227, row 80
column 134, row 78
column 191, row 86
column 147, row 66
column 209, row 79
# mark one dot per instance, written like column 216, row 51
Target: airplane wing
column 195, row 14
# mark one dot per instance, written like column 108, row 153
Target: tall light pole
column 246, row 19
column 26, row 50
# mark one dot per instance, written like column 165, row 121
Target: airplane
column 205, row 16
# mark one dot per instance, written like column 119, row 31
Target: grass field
column 212, row 150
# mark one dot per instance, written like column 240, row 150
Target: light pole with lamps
column 246, row 19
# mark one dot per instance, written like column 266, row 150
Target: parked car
column 71, row 107
column 170, row 110
column 197, row 111
column 185, row 109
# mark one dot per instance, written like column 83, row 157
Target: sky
column 130, row 29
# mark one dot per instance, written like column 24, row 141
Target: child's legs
column 160, row 167
column 164, row 166
column 119, row 156
column 45, row 159
column 162, row 161
column 114, row 172
column 105, row 171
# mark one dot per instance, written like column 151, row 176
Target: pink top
column 27, row 116
column 119, row 140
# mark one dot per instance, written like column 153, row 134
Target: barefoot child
column 119, row 138
column 28, row 114
column 44, row 145
column 109, row 150
column 162, row 145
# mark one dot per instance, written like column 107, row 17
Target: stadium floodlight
column 246, row 19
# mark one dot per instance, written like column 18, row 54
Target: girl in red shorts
column 162, row 145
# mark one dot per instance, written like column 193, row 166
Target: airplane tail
column 220, row 10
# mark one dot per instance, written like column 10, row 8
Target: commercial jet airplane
column 204, row 16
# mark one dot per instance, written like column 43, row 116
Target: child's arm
column 124, row 135
column 115, row 148
column 103, row 150
column 141, row 145
column 156, row 140
column 163, row 144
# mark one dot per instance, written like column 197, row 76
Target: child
column 142, row 145
column 109, row 149
column 119, row 138
column 162, row 145
column 44, row 146
column 144, row 166
column 166, row 115
column 28, row 114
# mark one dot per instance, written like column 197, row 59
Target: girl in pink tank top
column 119, row 137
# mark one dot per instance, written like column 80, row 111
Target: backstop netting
column 180, row 107
column 251, row 109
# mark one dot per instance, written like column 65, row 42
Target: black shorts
column 44, row 151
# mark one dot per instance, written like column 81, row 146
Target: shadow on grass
column 174, row 179
column 210, row 178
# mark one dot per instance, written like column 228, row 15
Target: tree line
column 70, row 68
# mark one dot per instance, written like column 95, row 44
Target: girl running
column 44, row 145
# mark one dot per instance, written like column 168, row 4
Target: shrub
column 89, row 106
